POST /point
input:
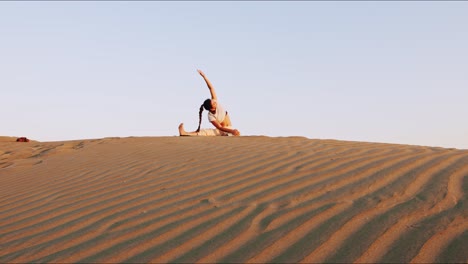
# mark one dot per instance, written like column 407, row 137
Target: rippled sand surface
column 231, row 199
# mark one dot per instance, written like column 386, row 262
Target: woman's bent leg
column 210, row 132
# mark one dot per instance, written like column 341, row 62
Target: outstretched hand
column 236, row 132
column 201, row 73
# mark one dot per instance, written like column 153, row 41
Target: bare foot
column 181, row 130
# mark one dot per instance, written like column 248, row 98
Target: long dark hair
column 207, row 105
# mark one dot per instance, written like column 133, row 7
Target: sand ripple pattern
column 232, row 200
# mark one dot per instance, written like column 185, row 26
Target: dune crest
column 231, row 200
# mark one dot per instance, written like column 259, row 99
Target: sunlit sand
column 231, row 199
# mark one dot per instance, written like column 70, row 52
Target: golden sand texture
column 231, row 199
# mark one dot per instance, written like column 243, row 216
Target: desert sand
column 231, row 199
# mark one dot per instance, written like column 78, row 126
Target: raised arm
column 210, row 86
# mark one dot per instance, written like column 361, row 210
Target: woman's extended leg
column 202, row 132
column 182, row 131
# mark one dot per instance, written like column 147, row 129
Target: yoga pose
column 217, row 115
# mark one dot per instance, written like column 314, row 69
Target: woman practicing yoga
column 217, row 115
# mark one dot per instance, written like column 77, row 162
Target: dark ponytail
column 199, row 118
column 207, row 105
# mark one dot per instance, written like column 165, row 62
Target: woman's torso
column 221, row 116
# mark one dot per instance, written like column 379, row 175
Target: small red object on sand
column 22, row 139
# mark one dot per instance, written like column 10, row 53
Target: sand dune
column 231, row 199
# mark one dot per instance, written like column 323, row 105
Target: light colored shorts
column 213, row 132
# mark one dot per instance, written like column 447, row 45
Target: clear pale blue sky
column 391, row 71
